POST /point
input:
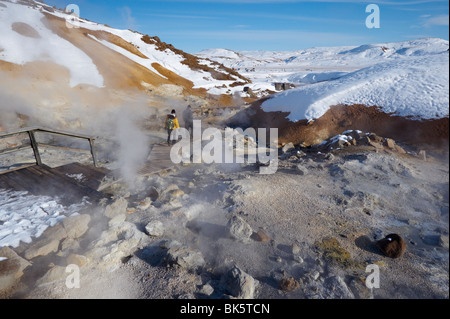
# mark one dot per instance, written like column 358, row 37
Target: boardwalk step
column 43, row 180
column 158, row 160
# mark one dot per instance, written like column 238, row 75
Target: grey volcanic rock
column 239, row 284
column 239, row 229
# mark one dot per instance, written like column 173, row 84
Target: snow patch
column 24, row 216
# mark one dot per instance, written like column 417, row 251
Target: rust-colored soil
column 114, row 39
column 37, row 70
column 118, row 71
column 25, row 30
column 339, row 118
column 225, row 100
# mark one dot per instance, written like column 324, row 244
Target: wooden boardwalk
column 158, row 160
column 92, row 176
column 74, row 181
column 43, row 180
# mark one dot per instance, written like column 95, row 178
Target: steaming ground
column 317, row 223
column 322, row 219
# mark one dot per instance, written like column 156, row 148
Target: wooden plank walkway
column 43, row 180
column 92, row 177
column 74, row 181
column 158, row 160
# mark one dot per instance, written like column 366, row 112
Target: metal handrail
column 34, row 145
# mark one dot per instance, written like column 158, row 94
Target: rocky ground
column 225, row 231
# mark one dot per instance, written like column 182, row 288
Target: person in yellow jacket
column 171, row 124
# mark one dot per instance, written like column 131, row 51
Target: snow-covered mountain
column 319, row 64
column 348, row 56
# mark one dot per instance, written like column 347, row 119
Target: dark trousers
column 169, row 132
column 190, row 128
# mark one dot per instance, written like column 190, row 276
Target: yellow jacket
column 175, row 122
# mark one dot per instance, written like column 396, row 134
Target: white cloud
column 441, row 20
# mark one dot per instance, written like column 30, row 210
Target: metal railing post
column 34, row 145
column 94, row 156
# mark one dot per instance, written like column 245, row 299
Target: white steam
column 133, row 147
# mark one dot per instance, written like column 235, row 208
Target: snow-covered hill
column 417, row 86
column 36, row 39
column 25, row 38
column 322, row 63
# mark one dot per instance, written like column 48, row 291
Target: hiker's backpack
column 170, row 124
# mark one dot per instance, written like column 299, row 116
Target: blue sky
column 275, row 25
